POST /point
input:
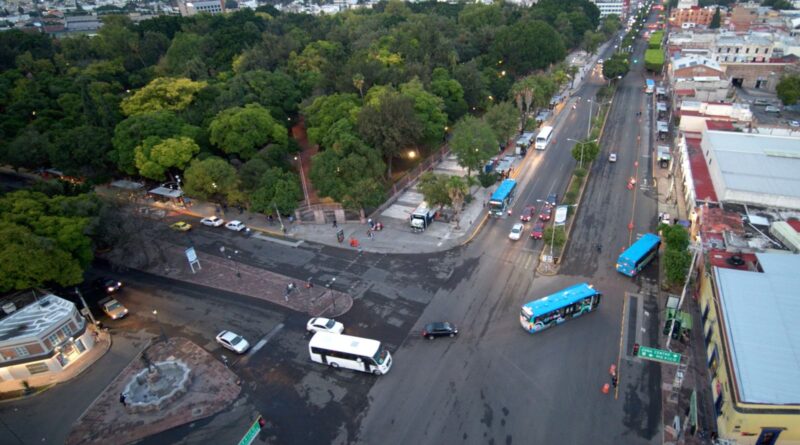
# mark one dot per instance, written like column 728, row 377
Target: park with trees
column 213, row 99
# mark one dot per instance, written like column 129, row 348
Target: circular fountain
column 157, row 385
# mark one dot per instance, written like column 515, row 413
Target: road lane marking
column 621, row 335
column 266, row 338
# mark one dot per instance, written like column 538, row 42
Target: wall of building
column 763, row 76
column 698, row 16
column 732, row 423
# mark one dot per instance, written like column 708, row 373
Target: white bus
column 345, row 351
column 543, row 138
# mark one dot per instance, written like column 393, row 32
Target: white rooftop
column 753, row 168
column 687, row 61
column 761, row 312
column 35, row 318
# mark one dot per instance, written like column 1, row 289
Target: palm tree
column 457, row 189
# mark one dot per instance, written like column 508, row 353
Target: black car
column 551, row 199
column 439, row 329
column 107, row 285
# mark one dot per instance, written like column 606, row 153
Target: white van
column 345, row 351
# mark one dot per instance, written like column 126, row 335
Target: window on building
column 718, row 404
column 747, row 50
column 756, row 51
column 737, row 50
column 21, row 351
column 709, row 331
column 36, row 368
column 713, row 361
column 706, row 309
column 729, row 50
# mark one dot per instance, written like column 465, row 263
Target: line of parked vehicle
column 210, row 221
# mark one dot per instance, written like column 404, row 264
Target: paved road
column 497, row 384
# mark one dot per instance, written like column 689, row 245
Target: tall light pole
column 587, row 141
column 160, row 326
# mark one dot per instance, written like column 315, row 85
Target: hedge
column 655, row 40
column 654, row 60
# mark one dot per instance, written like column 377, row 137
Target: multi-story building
column 608, row 7
column 700, row 78
column 189, row 8
column 743, row 48
column 749, row 309
column 44, row 337
column 696, row 16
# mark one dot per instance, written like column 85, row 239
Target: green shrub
column 654, row 60
column 580, row 172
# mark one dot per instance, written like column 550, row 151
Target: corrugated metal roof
column 761, row 312
column 35, row 318
column 757, row 163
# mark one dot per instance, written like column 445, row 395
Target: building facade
column 752, row 347
column 695, row 15
column 43, row 337
column 608, row 7
column 189, row 8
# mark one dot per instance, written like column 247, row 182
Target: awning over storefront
column 166, row 192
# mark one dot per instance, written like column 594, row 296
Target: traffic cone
column 606, row 388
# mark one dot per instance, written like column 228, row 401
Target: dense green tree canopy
column 789, row 89
column 212, row 178
column 162, row 94
column 243, row 131
column 528, row 46
column 473, row 142
column 45, row 240
column 154, row 156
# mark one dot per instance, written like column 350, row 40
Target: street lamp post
column 160, row 326
column 587, row 141
column 589, row 124
column 333, row 297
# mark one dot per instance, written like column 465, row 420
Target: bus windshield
column 380, row 356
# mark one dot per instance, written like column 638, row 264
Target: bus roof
column 650, row 82
column 561, row 298
column 545, row 131
column 345, row 343
column 639, row 248
column 505, row 188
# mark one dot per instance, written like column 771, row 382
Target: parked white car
column 516, row 232
column 319, row 324
column 233, row 341
column 212, row 221
column 235, row 225
column 612, row 157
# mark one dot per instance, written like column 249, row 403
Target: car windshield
column 236, row 340
column 380, row 356
column 330, row 324
column 114, row 305
column 516, row 229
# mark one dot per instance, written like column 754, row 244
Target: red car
column 545, row 214
column 538, row 230
column 528, row 214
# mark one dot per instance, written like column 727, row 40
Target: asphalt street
column 496, row 383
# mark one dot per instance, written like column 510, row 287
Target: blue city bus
column 502, row 197
column 559, row 307
column 634, row 258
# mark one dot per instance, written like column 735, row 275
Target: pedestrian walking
column 123, row 399
column 370, row 235
column 334, row 223
column 370, row 223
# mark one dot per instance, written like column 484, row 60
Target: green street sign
column 251, row 434
column 659, row 355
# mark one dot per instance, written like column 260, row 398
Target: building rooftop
column 689, row 61
column 35, row 318
column 754, row 168
column 761, row 312
column 704, row 188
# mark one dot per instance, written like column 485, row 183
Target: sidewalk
column 234, row 276
column 213, row 387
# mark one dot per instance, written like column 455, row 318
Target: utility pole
column 697, row 249
column 85, row 306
